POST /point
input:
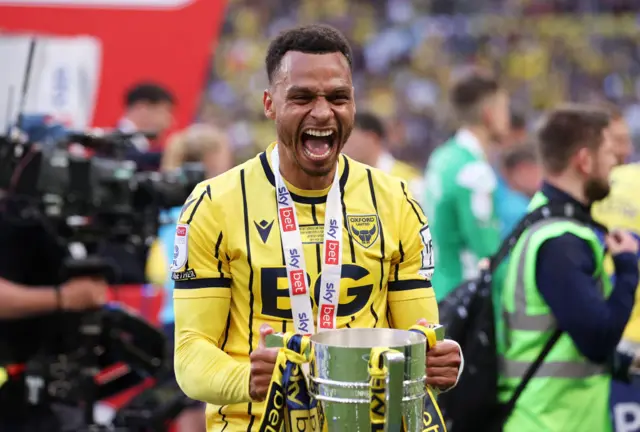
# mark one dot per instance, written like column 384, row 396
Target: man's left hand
column 443, row 364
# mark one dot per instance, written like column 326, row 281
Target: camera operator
column 197, row 144
column 148, row 108
column 31, row 292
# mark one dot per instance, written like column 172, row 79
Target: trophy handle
column 394, row 362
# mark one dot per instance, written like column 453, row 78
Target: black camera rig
column 86, row 193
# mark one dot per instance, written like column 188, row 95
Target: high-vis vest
column 568, row 393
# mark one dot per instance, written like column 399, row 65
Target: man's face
column 526, row 177
column 497, row 116
column 311, row 102
column 621, row 138
column 160, row 116
column 603, row 160
column 360, row 146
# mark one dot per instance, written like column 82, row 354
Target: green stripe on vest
column 568, row 393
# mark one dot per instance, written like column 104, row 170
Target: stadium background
column 406, row 52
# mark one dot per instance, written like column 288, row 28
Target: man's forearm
column 18, row 301
column 203, row 370
column 206, row 373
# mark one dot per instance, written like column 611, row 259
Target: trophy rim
column 367, row 338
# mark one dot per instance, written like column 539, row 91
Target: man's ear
column 584, row 161
column 267, row 102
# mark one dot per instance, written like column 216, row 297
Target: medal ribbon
column 299, row 291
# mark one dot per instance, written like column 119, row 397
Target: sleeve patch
column 180, row 247
column 428, row 260
column 185, row 275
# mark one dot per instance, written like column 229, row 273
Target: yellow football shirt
column 621, row 209
column 232, row 278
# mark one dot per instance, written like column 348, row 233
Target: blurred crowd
column 407, row 52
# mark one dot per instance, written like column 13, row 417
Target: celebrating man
column 300, row 232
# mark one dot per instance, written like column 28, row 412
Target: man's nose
column 321, row 110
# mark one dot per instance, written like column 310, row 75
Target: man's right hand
column 83, row 293
column 263, row 361
column 619, row 242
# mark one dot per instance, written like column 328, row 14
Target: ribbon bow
column 289, row 405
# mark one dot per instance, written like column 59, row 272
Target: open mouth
column 317, row 144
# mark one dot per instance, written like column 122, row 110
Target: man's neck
column 292, row 173
column 481, row 134
column 374, row 154
column 570, row 186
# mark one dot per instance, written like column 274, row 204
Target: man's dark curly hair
column 310, row 39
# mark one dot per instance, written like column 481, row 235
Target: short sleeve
column 200, row 264
column 413, row 266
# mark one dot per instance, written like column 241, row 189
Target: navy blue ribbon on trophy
column 289, row 405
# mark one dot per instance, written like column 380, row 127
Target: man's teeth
column 316, row 156
column 318, row 133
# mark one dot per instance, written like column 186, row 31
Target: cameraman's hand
column 263, row 361
column 83, row 293
column 619, row 242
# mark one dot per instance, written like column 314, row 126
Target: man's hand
column 620, row 242
column 83, row 293
column 443, row 363
column 263, row 361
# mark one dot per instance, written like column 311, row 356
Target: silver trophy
column 339, row 378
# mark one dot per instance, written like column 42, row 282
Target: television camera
column 82, row 188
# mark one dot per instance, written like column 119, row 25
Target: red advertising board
column 168, row 41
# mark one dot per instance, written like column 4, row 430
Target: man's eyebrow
column 299, row 89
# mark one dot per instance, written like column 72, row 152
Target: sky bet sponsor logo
column 333, row 229
column 283, row 196
column 298, row 285
column 294, row 258
column 326, row 316
column 286, row 219
column 303, row 320
column 330, row 291
column 331, row 252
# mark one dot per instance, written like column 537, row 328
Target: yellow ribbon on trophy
column 432, row 420
column 289, row 405
column 377, row 381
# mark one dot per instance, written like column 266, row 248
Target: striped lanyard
column 299, row 290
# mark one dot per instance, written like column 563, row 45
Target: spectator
column 149, row 110
column 520, row 178
column 619, row 133
column 518, row 134
column 367, row 144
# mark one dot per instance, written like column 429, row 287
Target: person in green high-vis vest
column 555, row 280
column 461, row 183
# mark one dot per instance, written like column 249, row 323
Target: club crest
column 364, row 228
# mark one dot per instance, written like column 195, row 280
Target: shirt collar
column 557, row 195
column 385, row 162
column 468, row 140
column 126, row 125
